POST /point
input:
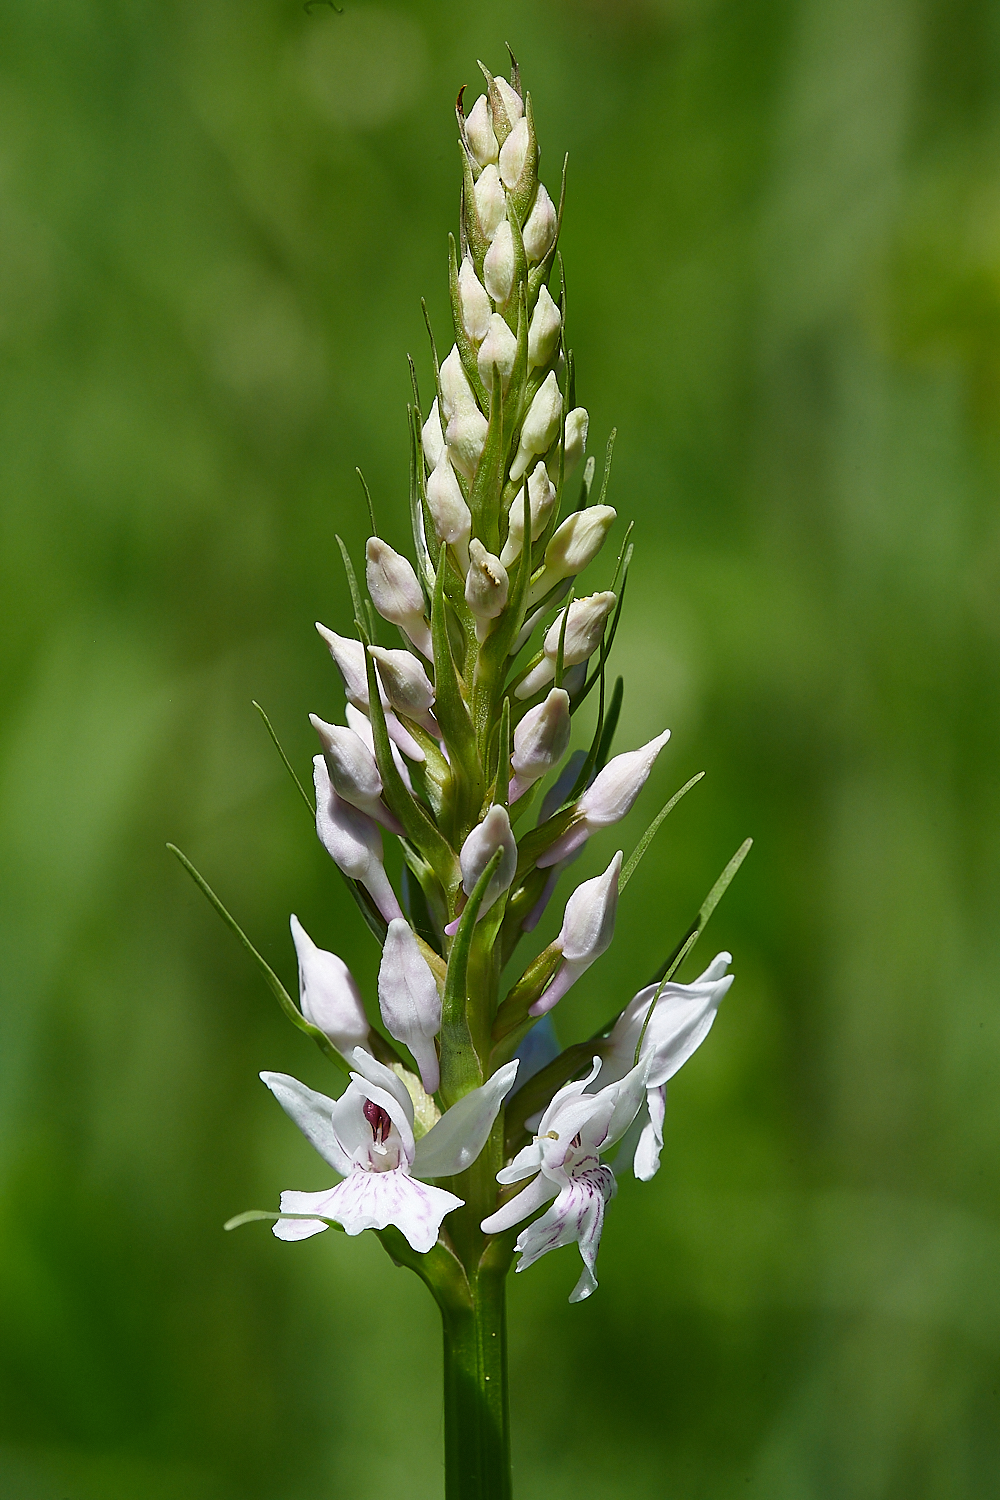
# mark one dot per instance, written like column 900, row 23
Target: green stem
column 476, row 1410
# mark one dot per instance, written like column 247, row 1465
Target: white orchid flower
column 566, row 1156
column 367, row 1137
column 681, row 1021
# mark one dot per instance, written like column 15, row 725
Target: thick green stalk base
column 476, row 1412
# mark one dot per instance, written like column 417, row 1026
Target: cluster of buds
column 450, row 733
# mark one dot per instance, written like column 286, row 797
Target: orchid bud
column 409, row 1000
column 491, row 201
column 584, row 629
column 543, row 334
column 465, row 432
column 540, row 741
column 486, row 587
column 572, row 548
column 587, row 929
column 350, row 658
column 361, row 724
column 353, row 771
column 540, row 426
column 513, row 154
column 541, row 498
column 493, row 833
column 575, row 438
column 539, row 227
column 609, row 798
column 499, row 348
column 499, row 264
column 329, row 999
column 479, row 133
column 353, row 842
column 449, row 512
column 475, row 304
column 396, row 593
column 512, row 101
column 409, row 689
column 432, row 437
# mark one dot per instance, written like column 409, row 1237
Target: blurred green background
column 782, row 237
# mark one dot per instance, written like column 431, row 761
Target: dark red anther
column 379, row 1121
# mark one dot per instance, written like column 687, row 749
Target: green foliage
column 218, row 220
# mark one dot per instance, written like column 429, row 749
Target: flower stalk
column 451, row 734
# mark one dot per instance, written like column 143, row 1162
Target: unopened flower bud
column 499, row 348
column 584, row 629
column 543, row 333
column 407, row 685
column 432, row 437
column 541, row 498
column 539, row 227
column 540, row 426
column 540, row 742
column 350, row 658
column 361, row 724
column 587, row 929
column 572, row 548
column 465, row 432
column 449, row 512
column 476, row 309
column 409, row 1001
column 575, row 438
column 486, row 587
column 353, row 771
column 479, row 133
column 609, row 798
column 396, row 593
column 513, row 154
column 491, row 201
column 353, row 842
column 512, row 101
column 329, row 999
column 493, row 833
column 499, row 264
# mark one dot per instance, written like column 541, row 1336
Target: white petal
column 526, row 1163
column 527, row 1202
column 628, row 1097
column 462, row 1131
column 577, row 1214
column 312, row 1113
column 373, row 1200
column 384, row 1078
column 302, row 1203
column 646, row 1162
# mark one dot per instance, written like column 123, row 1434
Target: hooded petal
column 373, row 1200
column 462, row 1131
column 313, row 1114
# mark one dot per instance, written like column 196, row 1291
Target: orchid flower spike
column 609, row 798
column 409, row 999
column 540, row 742
column 328, row 996
column 367, row 1137
column 564, row 1160
column 587, row 929
column 396, row 593
column 353, row 772
column 681, row 1020
column 353, row 842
